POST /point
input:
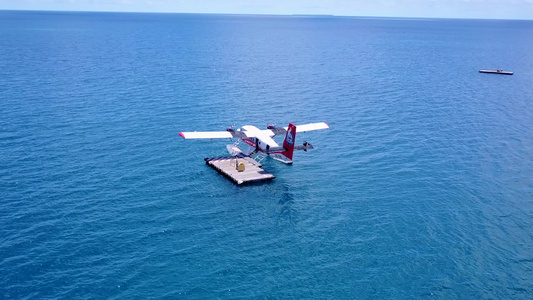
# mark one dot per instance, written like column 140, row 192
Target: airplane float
column 261, row 141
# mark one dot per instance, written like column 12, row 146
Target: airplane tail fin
column 288, row 143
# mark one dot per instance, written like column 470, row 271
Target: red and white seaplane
column 261, row 141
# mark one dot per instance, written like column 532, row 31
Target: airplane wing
column 206, row 135
column 310, row 127
column 212, row 134
column 299, row 128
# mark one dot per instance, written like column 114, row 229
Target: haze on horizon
column 478, row 9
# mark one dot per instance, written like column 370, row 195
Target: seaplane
column 260, row 141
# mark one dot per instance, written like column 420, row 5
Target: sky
column 482, row 9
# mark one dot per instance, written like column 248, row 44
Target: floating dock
column 502, row 72
column 228, row 166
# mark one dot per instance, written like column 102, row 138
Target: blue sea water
column 421, row 188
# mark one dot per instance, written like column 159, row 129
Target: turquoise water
column 421, row 188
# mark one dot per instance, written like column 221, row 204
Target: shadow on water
column 286, row 196
column 287, row 211
column 281, row 191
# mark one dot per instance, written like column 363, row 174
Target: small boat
column 500, row 71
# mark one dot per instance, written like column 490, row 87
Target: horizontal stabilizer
column 304, row 147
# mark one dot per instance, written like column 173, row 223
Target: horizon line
column 258, row 14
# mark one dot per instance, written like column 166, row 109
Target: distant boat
column 500, row 71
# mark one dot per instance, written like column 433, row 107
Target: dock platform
column 502, row 72
column 227, row 166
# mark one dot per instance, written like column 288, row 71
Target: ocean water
column 422, row 187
